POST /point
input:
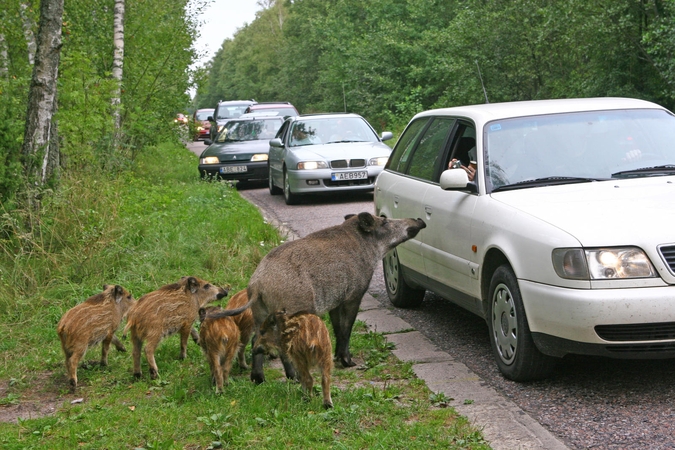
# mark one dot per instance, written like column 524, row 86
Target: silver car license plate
column 341, row 176
column 233, row 169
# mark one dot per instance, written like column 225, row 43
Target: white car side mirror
column 455, row 179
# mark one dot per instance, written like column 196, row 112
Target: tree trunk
column 28, row 32
column 3, row 56
column 40, row 150
column 118, row 63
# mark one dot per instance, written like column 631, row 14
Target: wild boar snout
column 414, row 229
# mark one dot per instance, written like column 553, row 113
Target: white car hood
column 603, row 213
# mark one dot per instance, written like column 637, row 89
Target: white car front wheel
column 518, row 358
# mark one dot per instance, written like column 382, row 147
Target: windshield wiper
column 546, row 181
column 339, row 142
column 666, row 169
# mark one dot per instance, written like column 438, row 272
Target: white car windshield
column 594, row 145
column 331, row 131
column 249, row 130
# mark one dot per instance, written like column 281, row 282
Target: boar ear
column 105, row 287
column 202, row 314
column 366, row 222
column 349, row 216
column 192, row 284
column 119, row 293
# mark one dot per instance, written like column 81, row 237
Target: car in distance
column 180, row 119
column 325, row 153
column 240, row 151
column 200, row 118
column 224, row 111
column 563, row 242
column 284, row 109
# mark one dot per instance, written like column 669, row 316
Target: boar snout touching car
column 327, row 271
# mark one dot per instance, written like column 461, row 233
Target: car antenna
column 481, row 82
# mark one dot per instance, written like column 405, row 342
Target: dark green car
column 240, row 151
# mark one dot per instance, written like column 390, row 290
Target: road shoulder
column 503, row 423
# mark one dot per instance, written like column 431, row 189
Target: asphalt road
column 589, row 403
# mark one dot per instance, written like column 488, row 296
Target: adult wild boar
column 170, row 309
column 93, row 321
column 326, row 271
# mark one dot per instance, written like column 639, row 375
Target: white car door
column 447, row 248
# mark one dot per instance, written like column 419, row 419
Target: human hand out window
column 470, row 171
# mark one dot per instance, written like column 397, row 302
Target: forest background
column 384, row 59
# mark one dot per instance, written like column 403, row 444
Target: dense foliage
column 158, row 51
column 388, row 59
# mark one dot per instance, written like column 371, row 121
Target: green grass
column 144, row 229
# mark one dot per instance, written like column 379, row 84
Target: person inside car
column 470, row 169
column 302, row 137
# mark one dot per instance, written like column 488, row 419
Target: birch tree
column 40, row 150
column 28, row 32
column 118, row 62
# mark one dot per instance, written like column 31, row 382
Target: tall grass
column 144, row 229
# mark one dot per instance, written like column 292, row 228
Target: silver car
column 325, row 153
column 557, row 226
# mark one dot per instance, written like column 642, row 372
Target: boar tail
column 126, row 329
column 230, row 312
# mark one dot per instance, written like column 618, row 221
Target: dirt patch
column 40, row 400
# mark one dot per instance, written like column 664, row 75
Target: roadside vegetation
column 388, row 60
column 145, row 228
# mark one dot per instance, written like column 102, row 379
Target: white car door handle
column 428, row 210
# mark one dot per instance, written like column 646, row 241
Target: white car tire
column 400, row 293
column 518, row 358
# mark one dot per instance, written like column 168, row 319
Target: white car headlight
column 602, row 263
column 210, row 160
column 312, row 165
column 259, row 157
column 379, row 161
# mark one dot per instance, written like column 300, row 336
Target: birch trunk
column 28, row 33
column 118, row 62
column 40, row 150
column 3, row 57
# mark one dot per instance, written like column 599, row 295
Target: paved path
column 505, row 426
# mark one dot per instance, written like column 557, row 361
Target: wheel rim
column 391, row 271
column 504, row 323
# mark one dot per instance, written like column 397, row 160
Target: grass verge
column 144, row 229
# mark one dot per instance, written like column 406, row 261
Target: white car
column 325, row 154
column 564, row 241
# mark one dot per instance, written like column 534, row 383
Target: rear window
column 249, row 130
column 230, row 112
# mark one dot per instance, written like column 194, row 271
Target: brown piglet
column 244, row 321
column 220, row 340
column 304, row 339
column 170, row 309
column 93, row 321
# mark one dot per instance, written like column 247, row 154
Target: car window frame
column 440, row 151
column 410, row 146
